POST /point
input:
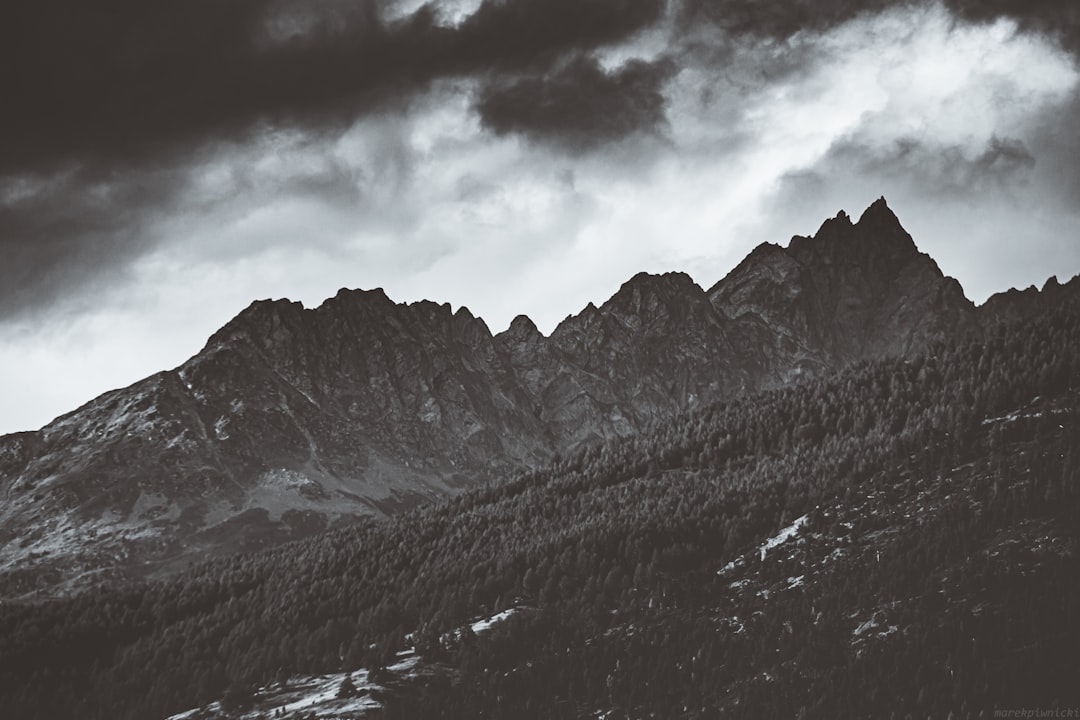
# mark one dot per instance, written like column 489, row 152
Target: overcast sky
column 165, row 163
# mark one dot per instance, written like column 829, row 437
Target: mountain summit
column 852, row 291
column 291, row 420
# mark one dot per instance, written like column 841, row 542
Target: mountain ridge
column 291, row 419
column 855, row 545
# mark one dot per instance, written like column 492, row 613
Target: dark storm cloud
column 784, row 18
column 508, row 33
column 1055, row 18
column 111, row 107
column 72, row 235
column 945, row 170
column 941, row 171
column 777, row 19
column 579, row 106
column 62, row 234
column 1059, row 139
column 127, row 79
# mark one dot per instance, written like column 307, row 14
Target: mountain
column 293, row 420
column 852, row 291
column 895, row 538
column 1014, row 305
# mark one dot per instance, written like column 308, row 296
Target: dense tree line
column 936, row 572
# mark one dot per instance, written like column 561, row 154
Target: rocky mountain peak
column 262, row 323
column 354, row 296
column 657, row 281
column 291, row 419
column 878, row 223
column 521, row 329
column 1018, row 305
column 837, row 224
column 852, row 290
column 763, row 250
column 470, row 329
column 879, row 212
column 646, row 293
column 876, row 239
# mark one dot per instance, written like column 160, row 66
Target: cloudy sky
column 164, row 163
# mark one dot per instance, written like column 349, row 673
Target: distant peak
column 830, row 230
column 357, row 294
column 641, row 278
column 878, row 213
column 877, row 231
column 266, row 308
column 257, row 319
column 673, row 279
column 270, row 303
column 765, row 248
column 523, row 324
column 522, row 329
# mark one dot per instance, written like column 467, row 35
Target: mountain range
column 293, row 420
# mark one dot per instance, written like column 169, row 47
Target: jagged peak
column 588, row 313
column 764, row 253
column 877, row 228
column 275, row 303
column 464, row 317
column 1012, row 293
column 522, row 329
column 433, row 306
column 840, row 223
column 880, row 223
column 673, row 280
column 765, row 248
column 351, row 295
column 470, row 328
column 256, row 313
column 879, row 213
column 268, row 306
column 523, row 325
column 1051, row 286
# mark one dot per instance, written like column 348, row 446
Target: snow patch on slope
column 314, row 694
column 486, row 624
column 783, row 536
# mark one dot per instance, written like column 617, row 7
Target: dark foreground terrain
column 895, row 539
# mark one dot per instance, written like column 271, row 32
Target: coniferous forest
column 923, row 517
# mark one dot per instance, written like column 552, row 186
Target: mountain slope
column 898, row 537
column 291, row 420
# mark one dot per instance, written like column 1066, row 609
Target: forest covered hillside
column 894, row 539
column 294, row 420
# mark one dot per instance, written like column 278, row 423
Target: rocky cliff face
column 853, row 291
column 292, row 419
